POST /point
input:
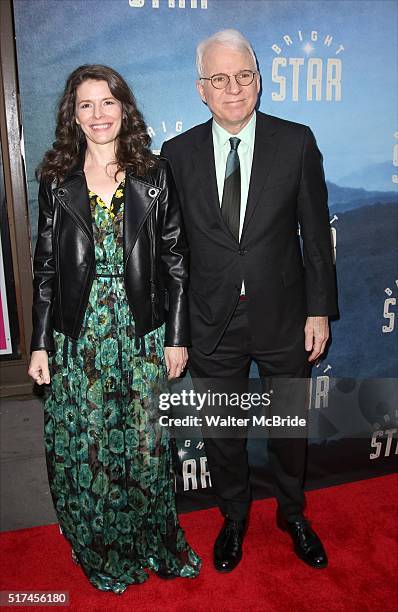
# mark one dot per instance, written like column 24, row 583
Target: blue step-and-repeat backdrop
column 329, row 64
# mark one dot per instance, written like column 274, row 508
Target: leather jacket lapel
column 140, row 198
column 73, row 196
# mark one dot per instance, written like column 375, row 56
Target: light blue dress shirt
column 222, row 147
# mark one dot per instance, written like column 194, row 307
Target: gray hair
column 227, row 38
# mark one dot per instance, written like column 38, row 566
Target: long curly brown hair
column 133, row 142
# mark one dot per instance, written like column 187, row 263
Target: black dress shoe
column 307, row 545
column 228, row 545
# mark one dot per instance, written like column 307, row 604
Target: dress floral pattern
column 109, row 461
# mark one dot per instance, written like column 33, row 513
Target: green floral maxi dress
column 109, row 460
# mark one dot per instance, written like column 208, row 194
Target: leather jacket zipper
column 152, row 237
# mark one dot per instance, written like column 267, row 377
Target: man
column 245, row 181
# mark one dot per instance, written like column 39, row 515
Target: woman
column 109, row 292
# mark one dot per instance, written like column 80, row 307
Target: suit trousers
column 227, row 456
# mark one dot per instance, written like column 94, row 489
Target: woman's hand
column 38, row 367
column 176, row 358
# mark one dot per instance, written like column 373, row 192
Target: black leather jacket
column 154, row 252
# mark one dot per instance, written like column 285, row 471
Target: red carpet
column 358, row 523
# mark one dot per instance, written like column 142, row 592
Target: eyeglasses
column 220, row 81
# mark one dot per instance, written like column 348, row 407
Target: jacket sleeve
column 174, row 262
column 43, row 274
column 313, row 216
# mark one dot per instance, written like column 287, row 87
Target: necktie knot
column 234, row 142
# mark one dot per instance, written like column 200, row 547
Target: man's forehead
column 217, row 52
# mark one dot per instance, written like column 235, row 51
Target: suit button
column 153, row 192
column 242, row 251
column 61, row 192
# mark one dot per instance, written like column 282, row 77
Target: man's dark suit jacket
column 283, row 282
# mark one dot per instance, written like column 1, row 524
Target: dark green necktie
column 230, row 206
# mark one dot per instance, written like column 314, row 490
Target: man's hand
column 176, row 358
column 38, row 367
column 316, row 335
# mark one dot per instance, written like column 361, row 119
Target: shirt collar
column 246, row 135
